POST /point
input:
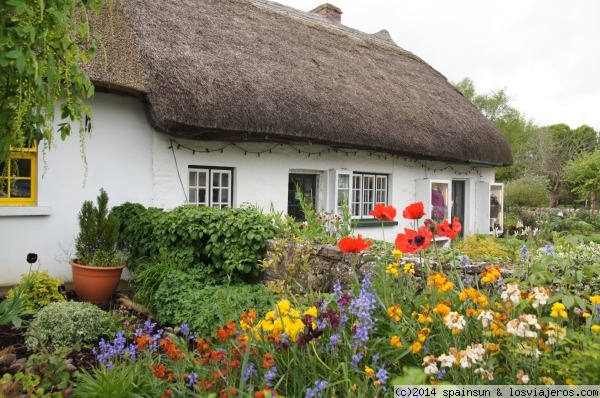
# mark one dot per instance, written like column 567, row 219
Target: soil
column 12, row 339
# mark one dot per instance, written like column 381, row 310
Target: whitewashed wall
column 119, row 158
column 135, row 163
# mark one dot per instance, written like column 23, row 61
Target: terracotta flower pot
column 95, row 284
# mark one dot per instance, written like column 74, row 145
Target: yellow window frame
column 8, row 180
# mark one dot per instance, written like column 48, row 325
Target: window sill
column 375, row 223
column 19, row 211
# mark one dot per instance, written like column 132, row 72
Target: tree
column 584, row 173
column 515, row 127
column 43, row 45
column 551, row 149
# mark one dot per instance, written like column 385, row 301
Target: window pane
column 202, row 179
column 202, row 196
column 22, row 169
column 356, row 195
column 225, row 180
column 193, row 195
column 381, row 194
column 368, row 195
column 193, row 181
column 21, row 189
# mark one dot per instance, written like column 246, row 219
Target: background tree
column 515, row 127
column 584, row 174
column 551, row 149
column 43, row 45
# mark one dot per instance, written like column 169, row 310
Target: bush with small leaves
column 67, row 324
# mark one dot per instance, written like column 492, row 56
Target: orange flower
column 161, row 372
column 415, row 348
column 225, row 394
column 414, row 211
column 353, row 245
column 166, row 393
column 248, row 319
column 171, row 350
column 447, row 230
column 267, row 361
column 412, row 241
column 203, row 345
column 223, row 333
column 142, row 341
column 383, row 212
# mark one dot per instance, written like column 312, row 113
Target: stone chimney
column 329, row 11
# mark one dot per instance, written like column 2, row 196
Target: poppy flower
column 383, row 212
column 412, row 241
column 447, row 230
column 353, row 245
column 414, row 211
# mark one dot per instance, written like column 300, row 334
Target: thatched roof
column 254, row 70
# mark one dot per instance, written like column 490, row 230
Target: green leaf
column 568, row 301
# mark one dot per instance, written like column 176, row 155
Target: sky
column 544, row 53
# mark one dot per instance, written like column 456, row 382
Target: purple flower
column 316, row 392
column 440, row 374
column 355, row 360
column 185, row 329
column 464, row 261
column 382, row 376
column 250, row 371
column 333, row 341
column 524, row 253
column 548, row 249
column 363, row 307
column 192, row 379
column 270, row 375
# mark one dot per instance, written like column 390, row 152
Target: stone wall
column 305, row 267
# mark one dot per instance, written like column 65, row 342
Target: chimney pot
column 329, row 11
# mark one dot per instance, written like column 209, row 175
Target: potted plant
column 98, row 264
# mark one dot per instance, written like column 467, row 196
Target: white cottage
column 225, row 102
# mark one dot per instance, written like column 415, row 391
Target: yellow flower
column 569, row 382
column 395, row 341
column 595, row 328
column 493, row 347
column 422, row 334
column 416, row 347
column 312, row 311
column 558, row 310
column 547, row 381
column 409, row 268
column 595, row 299
column 369, row 372
column 283, row 307
column 586, row 315
column 442, row 309
column 397, row 253
column 440, row 281
column 392, row 269
column 491, row 274
column 395, row 312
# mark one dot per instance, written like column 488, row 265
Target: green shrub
column 181, row 298
column 482, row 248
column 96, row 243
column 228, row 239
column 150, row 274
column 526, row 191
column 67, row 324
column 42, row 291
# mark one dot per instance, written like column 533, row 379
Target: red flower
column 414, row 211
column 412, row 241
column 383, row 212
column 353, row 245
column 447, row 230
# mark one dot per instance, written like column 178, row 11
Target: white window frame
column 364, row 191
column 217, row 194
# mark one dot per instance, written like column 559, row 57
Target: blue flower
column 524, row 253
column 382, row 376
column 548, row 249
column 363, row 307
